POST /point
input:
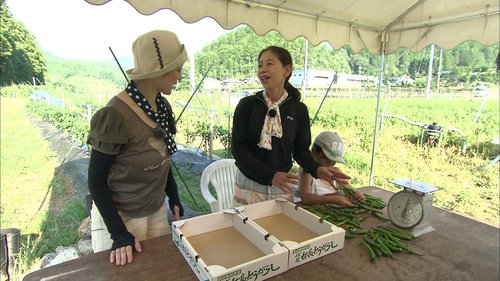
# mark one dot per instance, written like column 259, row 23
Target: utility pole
column 439, row 69
column 429, row 78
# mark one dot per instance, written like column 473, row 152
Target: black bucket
column 4, row 256
column 12, row 235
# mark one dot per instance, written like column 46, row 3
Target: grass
column 33, row 199
column 189, row 189
column 399, row 152
column 27, row 169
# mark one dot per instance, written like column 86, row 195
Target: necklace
column 164, row 117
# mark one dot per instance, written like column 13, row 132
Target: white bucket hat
column 156, row 53
column 332, row 145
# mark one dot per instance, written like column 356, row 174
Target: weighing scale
column 410, row 209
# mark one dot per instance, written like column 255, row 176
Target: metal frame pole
column 375, row 130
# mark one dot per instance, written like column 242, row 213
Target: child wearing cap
column 327, row 150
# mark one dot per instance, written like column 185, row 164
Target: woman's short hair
column 286, row 59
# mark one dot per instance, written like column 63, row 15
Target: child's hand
column 358, row 196
column 342, row 200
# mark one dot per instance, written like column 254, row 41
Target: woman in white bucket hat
column 132, row 144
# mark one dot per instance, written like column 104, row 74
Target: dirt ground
column 71, row 165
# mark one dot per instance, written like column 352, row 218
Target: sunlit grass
column 26, row 171
column 30, row 191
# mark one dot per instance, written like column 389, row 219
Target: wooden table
column 458, row 249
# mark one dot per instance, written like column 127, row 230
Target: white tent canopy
column 379, row 26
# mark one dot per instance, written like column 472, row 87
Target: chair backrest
column 221, row 174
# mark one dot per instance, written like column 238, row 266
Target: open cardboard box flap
column 224, row 245
column 280, row 214
column 305, row 235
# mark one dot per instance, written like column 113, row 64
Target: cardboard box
column 225, row 246
column 304, row 234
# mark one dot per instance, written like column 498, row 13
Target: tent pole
column 380, row 77
column 304, row 82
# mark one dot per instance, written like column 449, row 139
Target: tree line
column 468, row 62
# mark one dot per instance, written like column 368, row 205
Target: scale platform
column 415, row 185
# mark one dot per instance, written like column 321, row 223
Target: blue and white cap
column 332, row 145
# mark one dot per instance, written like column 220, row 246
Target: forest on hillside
column 21, row 60
column 469, row 62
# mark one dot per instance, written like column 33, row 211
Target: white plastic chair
column 221, row 174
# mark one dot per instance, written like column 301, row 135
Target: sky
column 75, row 29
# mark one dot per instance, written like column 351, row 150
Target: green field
column 401, row 148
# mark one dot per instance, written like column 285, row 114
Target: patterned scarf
column 164, row 117
column 272, row 123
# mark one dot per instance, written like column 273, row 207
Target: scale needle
column 405, row 210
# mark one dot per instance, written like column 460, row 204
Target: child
column 327, row 150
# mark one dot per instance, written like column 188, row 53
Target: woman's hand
column 333, row 174
column 176, row 213
column 124, row 255
column 284, row 181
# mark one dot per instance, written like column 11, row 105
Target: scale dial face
column 405, row 209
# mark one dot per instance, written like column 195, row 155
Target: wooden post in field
column 89, row 112
column 211, row 133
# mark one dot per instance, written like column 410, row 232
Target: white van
column 481, row 91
